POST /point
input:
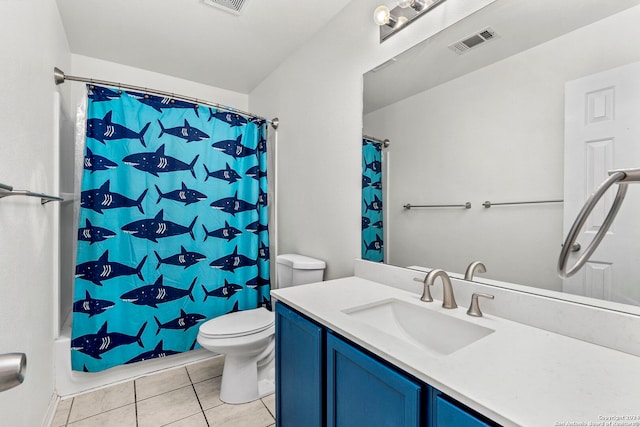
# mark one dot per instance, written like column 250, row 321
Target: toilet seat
column 238, row 324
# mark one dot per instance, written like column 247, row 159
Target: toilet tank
column 294, row 269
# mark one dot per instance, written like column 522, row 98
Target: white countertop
column 516, row 376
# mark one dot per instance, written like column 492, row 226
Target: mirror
column 486, row 111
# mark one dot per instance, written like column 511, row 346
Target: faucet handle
column 426, row 293
column 474, row 308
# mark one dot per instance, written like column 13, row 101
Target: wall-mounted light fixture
column 404, row 12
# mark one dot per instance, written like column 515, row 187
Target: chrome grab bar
column 488, row 203
column 622, row 177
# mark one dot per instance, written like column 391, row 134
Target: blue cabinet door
column 361, row 391
column 447, row 414
column 299, row 370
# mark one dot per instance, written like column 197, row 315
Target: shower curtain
column 173, row 226
column 372, row 227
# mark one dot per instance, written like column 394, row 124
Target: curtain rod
column 60, row 77
column 384, row 142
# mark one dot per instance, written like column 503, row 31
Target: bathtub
column 69, row 383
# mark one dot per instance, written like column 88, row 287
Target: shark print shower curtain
column 372, row 235
column 172, row 226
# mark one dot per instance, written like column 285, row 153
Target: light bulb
column 382, row 15
column 404, row 3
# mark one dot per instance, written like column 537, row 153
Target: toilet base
column 244, row 382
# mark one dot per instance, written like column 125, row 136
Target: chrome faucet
column 474, row 267
column 448, row 300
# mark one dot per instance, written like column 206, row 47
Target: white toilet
column 247, row 338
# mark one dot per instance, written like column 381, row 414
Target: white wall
column 495, row 134
column 33, row 42
column 317, row 94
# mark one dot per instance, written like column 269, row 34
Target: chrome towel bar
column 622, row 177
column 7, row 190
column 488, row 204
column 467, row 205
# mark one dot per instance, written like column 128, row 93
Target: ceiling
column 193, row 41
column 519, row 24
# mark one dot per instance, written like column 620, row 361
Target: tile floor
column 181, row 397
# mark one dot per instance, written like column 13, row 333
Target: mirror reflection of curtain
column 372, row 204
column 172, row 226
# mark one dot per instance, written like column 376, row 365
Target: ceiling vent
column 474, row 40
column 237, row 7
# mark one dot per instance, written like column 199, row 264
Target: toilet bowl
column 247, row 338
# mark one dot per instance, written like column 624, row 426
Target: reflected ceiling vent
column 474, row 40
column 237, row 7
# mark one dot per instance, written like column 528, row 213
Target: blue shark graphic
column 91, row 306
column 96, row 344
column 377, row 185
column 375, row 166
column 266, row 303
column 233, row 205
column 183, row 259
column 227, row 232
column 254, row 227
column 375, row 205
column 226, row 174
column 184, row 322
column 366, row 181
column 233, row 262
column 157, row 228
column 234, row 148
column 102, row 198
column 262, row 144
column 232, row 119
column 156, row 353
column 93, row 162
column 234, row 309
column 157, row 162
column 226, row 291
column 160, row 103
column 92, row 234
column 186, row 132
column 255, row 173
column 105, row 130
column 263, row 251
column 365, row 222
column 262, row 198
column 257, row 120
column 377, row 224
column 100, row 94
column 257, row 282
column 103, row 269
column 152, row 295
column 376, row 245
column 184, row 195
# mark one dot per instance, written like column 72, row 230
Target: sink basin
column 422, row 326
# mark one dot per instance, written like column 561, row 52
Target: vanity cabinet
column 361, row 391
column 324, row 380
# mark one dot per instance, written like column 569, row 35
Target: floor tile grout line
column 197, row 397
column 66, row 423
column 267, row 408
column 135, row 400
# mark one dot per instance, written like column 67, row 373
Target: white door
column 602, row 132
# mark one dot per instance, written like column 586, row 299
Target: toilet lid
column 239, row 323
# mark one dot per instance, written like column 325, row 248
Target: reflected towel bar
column 7, row 190
column 488, row 204
column 467, row 205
